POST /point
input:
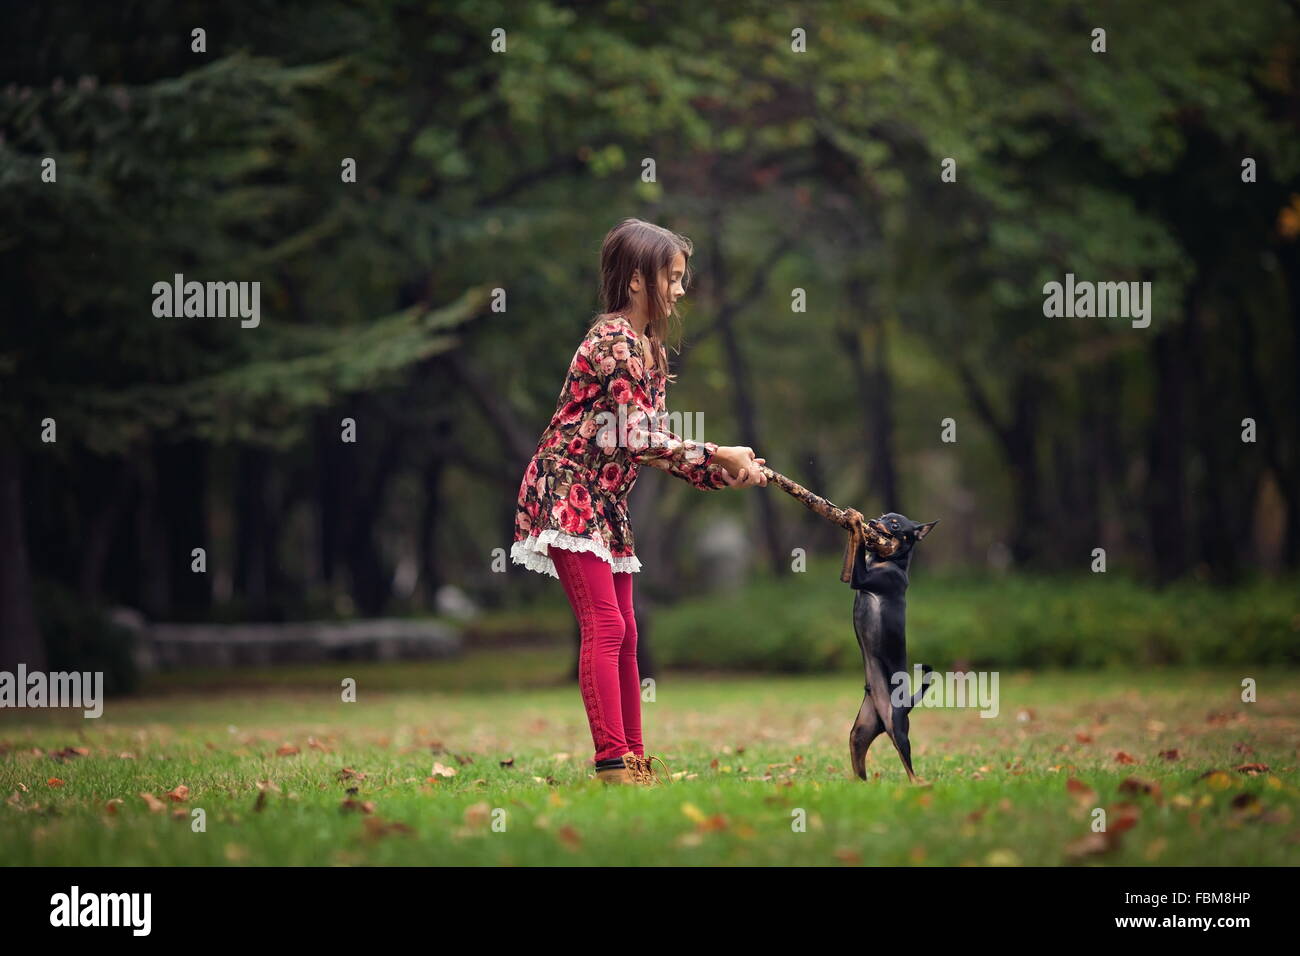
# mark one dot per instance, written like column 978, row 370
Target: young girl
column 571, row 519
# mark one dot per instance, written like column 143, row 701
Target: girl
column 571, row 519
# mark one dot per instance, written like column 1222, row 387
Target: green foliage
column 1101, row 621
column 79, row 637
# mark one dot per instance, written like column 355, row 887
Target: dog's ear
column 924, row 529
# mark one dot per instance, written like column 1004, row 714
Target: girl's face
column 670, row 283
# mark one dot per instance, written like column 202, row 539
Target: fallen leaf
column 286, row 750
column 1122, row 757
column 374, row 828
column 180, row 794
column 692, row 812
column 155, row 805
column 54, row 782
column 1136, row 785
column 1093, row 844
column 1253, row 769
column 1169, row 754
column 1121, row 817
column 1245, row 801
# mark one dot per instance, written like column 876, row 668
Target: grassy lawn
column 286, row 773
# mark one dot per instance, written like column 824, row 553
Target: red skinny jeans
column 607, row 671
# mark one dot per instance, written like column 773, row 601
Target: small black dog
column 879, row 617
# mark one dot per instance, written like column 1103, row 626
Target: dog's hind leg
column 893, row 718
column 866, row 728
column 898, row 734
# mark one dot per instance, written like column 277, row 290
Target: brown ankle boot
column 629, row 773
column 647, row 774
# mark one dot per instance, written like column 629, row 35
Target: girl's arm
column 623, row 377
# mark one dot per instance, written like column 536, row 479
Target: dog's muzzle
column 880, row 541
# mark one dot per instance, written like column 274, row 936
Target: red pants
column 607, row 671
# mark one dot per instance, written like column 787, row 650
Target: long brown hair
column 636, row 244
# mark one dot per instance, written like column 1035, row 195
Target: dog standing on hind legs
column 880, row 569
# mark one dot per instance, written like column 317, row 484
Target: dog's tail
column 926, row 670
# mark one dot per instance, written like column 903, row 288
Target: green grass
column 753, row 755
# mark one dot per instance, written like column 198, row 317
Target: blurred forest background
column 478, row 170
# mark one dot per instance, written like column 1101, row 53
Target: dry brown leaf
column 1122, row 757
column 1075, row 785
column 54, row 782
column 1093, row 844
column 286, row 750
column 569, row 837
column 374, row 828
column 1136, row 785
column 180, row 794
column 1121, row 817
column 155, row 805
column 1253, row 769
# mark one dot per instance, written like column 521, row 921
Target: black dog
column 879, row 617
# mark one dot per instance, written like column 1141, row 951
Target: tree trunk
column 430, row 562
column 102, row 523
column 1018, row 442
column 746, row 414
column 1166, row 492
column 20, row 637
column 1219, row 504
column 253, row 533
column 183, row 503
column 152, row 537
column 371, row 581
column 875, row 400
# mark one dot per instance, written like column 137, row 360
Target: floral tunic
column 574, row 491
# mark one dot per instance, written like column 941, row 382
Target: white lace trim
column 531, row 552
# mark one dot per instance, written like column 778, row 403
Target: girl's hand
column 742, row 468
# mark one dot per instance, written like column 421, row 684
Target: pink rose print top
column 574, row 491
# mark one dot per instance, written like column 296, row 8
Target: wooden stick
column 848, row 518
